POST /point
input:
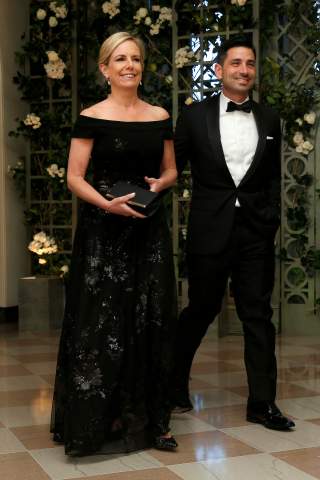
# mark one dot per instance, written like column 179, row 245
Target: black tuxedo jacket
column 212, row 209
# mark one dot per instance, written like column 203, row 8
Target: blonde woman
column 111, row 391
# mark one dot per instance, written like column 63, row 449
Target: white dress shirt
column 239, row 138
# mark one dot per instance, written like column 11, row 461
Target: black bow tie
column 243, row 107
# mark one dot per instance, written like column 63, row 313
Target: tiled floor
column 215, row 441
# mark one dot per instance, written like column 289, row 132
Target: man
column 233, row 146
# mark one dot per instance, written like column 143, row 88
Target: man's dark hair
column 236, row 41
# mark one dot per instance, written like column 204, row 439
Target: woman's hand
column 155, row 184
column 119, row 206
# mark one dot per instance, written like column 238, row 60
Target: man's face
column 237, row 73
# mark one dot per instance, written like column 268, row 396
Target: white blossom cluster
column 32, row 120
column 13, row 170
column 55, row 66
column 239, row 3
column 309, row 118
column 302, row 145
column 54, row 171
column 184, row 55
column 60, row 11
column 186, row 193
column 64, row 270
column 42, row 244
column 188, row 101
column 111, row 8
column 142, row 16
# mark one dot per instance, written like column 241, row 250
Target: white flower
column 141, row 13
column 298, row 138
column 111, row 8
column 310, row 118
column 52, row 56
column 188, row 101
column 147, row 21
column 54, row 171
column 299, row 121
column 53, row 22
column 42, row 244
column 186, row 193
column 42, row 261
column 32, row 120
column 55, row 66
column 184, row 233
column 184, row 55
column 169, row 79
column 41, row 14
column 64, row 269
column 154, row 29
column 60, row 11
column 165, row 15
column 304, row 147
column 240, row 3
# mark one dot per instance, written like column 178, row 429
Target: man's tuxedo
column 197, row 140
column 228, row 241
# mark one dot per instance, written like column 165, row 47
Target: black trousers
column 249, row 261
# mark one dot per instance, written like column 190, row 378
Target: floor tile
column 59, row 466
column 185, row 423
column 20, row 466
column 22, row 383
column 307, row 460
column 36, row 357
column 203, row 446
column 311, row 384
column 34, row 437
column 305, row 435
column 154, row 474
column 293, row 372
column 224, row 380
column 13, row 371
column 49, row 378
column 251, row 467
column 214, row 397
column 225, row 416
column 8, row 360
column 42, row 368
column 16, row 398
column 197, row 384
column 9, row 443
column 304, row 408
column 213, row 367
column 284, row 390
column 37, row 414
column 31, row 349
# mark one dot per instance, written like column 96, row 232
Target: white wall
column 13, row 253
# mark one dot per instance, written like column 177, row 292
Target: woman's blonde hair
column 112, row 42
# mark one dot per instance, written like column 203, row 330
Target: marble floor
column 215, row 441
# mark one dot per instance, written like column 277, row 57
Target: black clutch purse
column 144, row 201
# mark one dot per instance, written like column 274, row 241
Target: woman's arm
column 79, row 156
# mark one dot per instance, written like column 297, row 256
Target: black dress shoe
column 165, row 443
column 181, row 402
column 269, row 416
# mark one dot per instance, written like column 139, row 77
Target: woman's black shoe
column 165, row 443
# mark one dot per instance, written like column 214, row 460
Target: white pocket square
column 270, row 138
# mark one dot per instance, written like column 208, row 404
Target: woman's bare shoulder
column 157, row 113
column 94, row 110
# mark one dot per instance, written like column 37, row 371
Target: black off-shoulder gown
column 112, row 381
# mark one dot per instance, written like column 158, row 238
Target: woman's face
column 124, row 69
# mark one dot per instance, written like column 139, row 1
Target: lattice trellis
column 299, row 291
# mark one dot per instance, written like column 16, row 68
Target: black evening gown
column 112, row 381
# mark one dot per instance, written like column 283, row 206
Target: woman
column 111, row 390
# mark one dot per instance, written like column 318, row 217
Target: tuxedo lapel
column 213, row 110
column 261, row 142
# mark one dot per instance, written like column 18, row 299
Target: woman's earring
column 108, row 80
column 140, row 83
